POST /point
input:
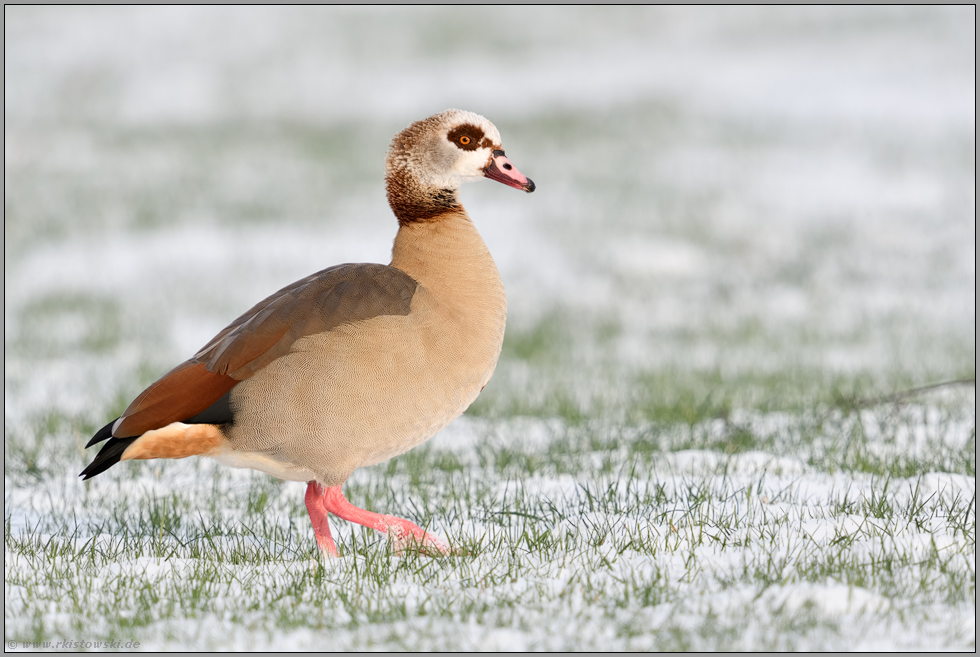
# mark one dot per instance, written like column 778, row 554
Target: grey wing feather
column 323, row 301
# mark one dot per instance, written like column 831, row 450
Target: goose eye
column 464, row 140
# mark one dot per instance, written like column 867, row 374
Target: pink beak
column 501, row 170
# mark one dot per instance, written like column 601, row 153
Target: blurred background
column 735, row 207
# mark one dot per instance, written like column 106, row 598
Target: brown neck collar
column 415, row 202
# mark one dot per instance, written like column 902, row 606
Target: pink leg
column 318, row 516
column 401, row 531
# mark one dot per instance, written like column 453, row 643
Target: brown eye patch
column 466, row 136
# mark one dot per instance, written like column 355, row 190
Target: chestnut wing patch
column 181, row 393
column 318, row 303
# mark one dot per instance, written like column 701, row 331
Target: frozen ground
column 751, row 228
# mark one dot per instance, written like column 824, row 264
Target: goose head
column 430, row 159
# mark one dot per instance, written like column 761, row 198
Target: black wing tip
column 102, row 434
column 110, row 455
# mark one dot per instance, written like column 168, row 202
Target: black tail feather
column 102, row 434
column 110, row 454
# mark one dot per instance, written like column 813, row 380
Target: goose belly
column 359, row 394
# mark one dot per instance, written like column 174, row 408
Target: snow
column 743, row 191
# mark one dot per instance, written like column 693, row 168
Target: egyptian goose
column 354, row 364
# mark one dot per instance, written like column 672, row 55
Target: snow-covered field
column 752, row 229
